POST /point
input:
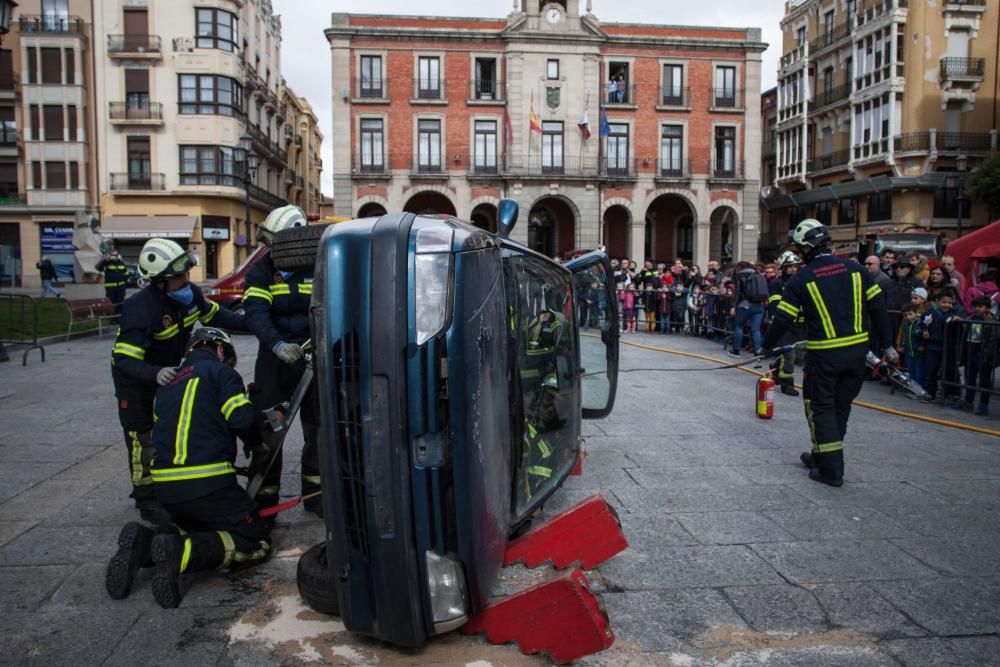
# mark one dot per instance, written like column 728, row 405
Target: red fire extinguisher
column 765, row 397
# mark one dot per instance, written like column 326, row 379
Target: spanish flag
column 533, row 124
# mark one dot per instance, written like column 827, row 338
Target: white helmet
column 810, row 233
column 163, row 258
column 788, row 258
column 280, row 219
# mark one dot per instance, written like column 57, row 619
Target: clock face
column 553, row 15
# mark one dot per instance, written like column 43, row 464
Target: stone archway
column 670, row 222
column 552, row 227
column 371, row 210
column 616, row 221
column 484, row 216
column 429, row 202
column 722, row 234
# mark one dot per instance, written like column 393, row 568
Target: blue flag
column 605, row 128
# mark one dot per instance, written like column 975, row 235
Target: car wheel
column 317, row 584
column 295, row 248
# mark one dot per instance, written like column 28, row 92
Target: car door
column 597, row 323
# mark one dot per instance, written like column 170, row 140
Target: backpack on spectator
column 753, row 287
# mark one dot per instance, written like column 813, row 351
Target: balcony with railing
column 9, row 196
column 145, row 113
column 672, row 169
column 429, row 90
column 487, row 166
column 620, row 168
column 582, row 166
column 622, row 95
column 721, row 169
column 793, row 58
column 971, row 70
column 486, row 91
column 944, row 142
column 51, row 24
column 371, row 90
column 964, row 9
column 429, row 166
column 251, row 80
column 140, row 182
column 371, row 165
column 834, row 160
column 8, row 136
column 831, row 97
column 872, row 149
column 878, row 11
column 263, row 196
column 831, row 38
column 134, row 46
column 726, row 99
column 675, row 97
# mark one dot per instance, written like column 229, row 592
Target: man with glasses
column 155, row 326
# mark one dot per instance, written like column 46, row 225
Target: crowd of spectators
column 943, row 331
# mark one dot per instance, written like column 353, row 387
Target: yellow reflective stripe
column 540, row 471
column 824, row 314
column 259, row 554
column 279, row 289
column 856, row 295
column 773, row 298
column 136, row 459
column 228, row 545
column 259, row 293
column 236, row 401
column 267, row 491
column 305, row 288
column 544, row 448
column 129, row 351
column 184, row 422
column 788, row 309
column 113, row 284
column 873, row 292
column 167, row 333
column 312, row 479
column 213, row 308
column 186, row 554
column 184, row 473
column 844, row 341
column 190, row 318
column 827, row 447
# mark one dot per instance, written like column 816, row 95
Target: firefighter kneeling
column 836, row 297
column 215, row 523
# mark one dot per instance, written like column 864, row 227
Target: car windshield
column 542, row 312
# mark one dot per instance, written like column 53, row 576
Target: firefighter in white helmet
column 277, row 312
column 784, row 366
column 155, row 326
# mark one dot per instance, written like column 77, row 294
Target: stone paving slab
column 841, row 560
column 947, row 605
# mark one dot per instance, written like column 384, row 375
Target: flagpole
column 531, row 110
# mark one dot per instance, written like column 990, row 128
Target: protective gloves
column 287, row 352
column 166, row 375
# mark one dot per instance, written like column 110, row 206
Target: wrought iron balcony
column 834, row 159
column 265, row 197
column 831, row 37
column 133, row 44
column 377, row 164
column 50, row 23
column 623, row 94
column 430, row 90
column 674, row 96
column 373, row 89
column 726, row 169
column 9, row 196
column 831, row 96
column 551, row 165
column 141, row 182
column 620, row 168
column 487, row 90
column 673, row 169
column 726, row 99
column 8, row 137
column 963, row 68
column 146, row 112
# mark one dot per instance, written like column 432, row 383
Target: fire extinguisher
column 765, row 397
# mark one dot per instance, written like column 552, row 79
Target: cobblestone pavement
column 736, row 557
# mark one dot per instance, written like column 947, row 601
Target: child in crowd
column 918, row 298
column 912, row 344
column 640, row 305
column 649, row 305
column 711, row 308
column 628, row 307
column 663, row 308
column 979, row 353
column 678, row 308
column 696, row 305
column 932, row 331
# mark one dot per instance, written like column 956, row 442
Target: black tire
column 295, row 248
column 317, row 584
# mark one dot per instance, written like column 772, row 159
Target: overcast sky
column 306, row 54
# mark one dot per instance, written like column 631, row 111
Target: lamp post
column 962, row 162
column 244, row 153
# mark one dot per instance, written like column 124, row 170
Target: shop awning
column 148, row 226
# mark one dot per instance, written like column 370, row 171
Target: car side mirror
column 506, row 217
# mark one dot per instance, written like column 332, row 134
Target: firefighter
column 215, row 524
column 153, row 332
column 784, row 366
column 115, row 278
column 277, row 312
column 836, row 297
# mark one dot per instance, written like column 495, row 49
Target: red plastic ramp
column 560, row 617
column 588, row 534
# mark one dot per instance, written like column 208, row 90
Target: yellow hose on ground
column 863, row 404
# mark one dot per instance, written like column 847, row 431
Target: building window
column 880, row 206
column 52, row 66
column 6, row 69
column 552, row 147
column 618, row 152
column 372, row 145
column 55, row 175
column 137, row 89
column 847, row 214
column 673, row 85
column 486, row 146
column 8, row 127
column 52, row 115
column 210, row 94
column 486, row 84
column 429, row 146
column 371, row 78
column 618, row 83
column 74, row 175
column 138, row 161
column 35, row 112
column 725, row 87
column 36, row 175
column 946, row 203
column 725, row 151
column 55, row 15
column 552, row 69
column 429, row 78
column 672, row 151
column 70, row 67
column 217, row 29
column 32, row 65
column 71, row 122
column 800, row 35
column 824, row 212
column 852, row 9
column 208, row 165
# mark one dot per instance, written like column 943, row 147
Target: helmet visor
column 181, row 264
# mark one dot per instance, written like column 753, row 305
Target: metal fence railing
column 19, row 324
column 969, row 345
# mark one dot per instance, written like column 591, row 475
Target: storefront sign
column 214, row 234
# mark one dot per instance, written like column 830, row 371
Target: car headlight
column 431, row 280
column 446, row 585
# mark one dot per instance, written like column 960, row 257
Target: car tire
column 295, row 248
column 317, row 584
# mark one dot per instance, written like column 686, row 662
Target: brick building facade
column 432, row 114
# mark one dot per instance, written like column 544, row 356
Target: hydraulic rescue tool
column 899, row 378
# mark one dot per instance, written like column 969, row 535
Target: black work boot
column 153, row 512
column 817, row 476
column 167, row 560
column 830, row 469
column 808, row 460
column 133, row 553
column 789, row 390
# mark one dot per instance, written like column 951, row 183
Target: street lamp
column 244, row 153
column 6, row 15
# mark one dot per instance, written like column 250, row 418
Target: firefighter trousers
column 117, row 296
column 784, row 366
column 828, row 389
column 221, row 529
column 136, row 416
column 274, row 382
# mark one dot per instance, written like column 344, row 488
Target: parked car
column 454, row 367
column 227, row 291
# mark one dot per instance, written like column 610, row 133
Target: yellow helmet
column 280, row 219
column 163, row 258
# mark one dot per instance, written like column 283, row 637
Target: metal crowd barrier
column 957, row 353
column 20, row 313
